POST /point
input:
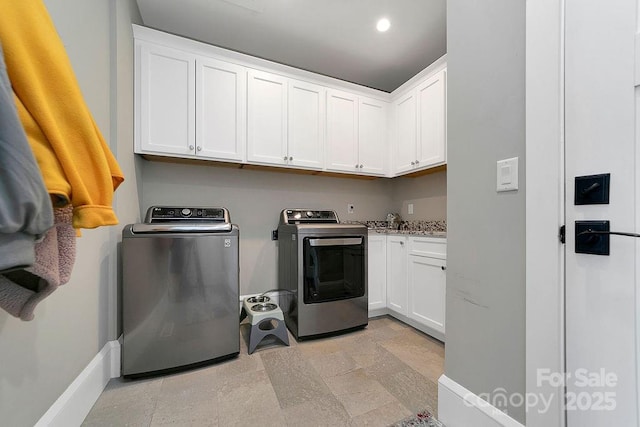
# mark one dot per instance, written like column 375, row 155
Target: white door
column 342, row 131
column 372, row 136
column 306, row 125
column 166, row 100
column 221, row 107
column 601, row 123
column 267, row 118
column 397, row 274
column 432, row 109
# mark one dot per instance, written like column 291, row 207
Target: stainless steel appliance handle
column 336, row 242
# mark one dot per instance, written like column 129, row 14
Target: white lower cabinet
column 427, row 287
column 407, row 279
column 397, row 274
column 377, row 271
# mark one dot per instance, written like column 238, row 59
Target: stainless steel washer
column 180, row 289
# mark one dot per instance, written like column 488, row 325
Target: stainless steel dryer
column 179, row 289
column 322, row 270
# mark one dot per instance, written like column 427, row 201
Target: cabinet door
column 267, row 118
column 372, row 139
column 306, row 125
column 397, row 274
column 342, row 132
column 377, row 271
column 166, row 100
column 432, row 112
column 427, row 290
column 221, row 110
column 405, row 133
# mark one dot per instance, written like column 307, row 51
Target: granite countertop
column 410, row 228
column 425, row 233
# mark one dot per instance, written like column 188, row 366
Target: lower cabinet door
column 377, row 271
column 397, row 274
column 427, row 291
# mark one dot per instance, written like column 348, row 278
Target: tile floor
column 374, row 377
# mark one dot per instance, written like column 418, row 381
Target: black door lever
column 616, row 233
column 588, row 190
column 592, row 237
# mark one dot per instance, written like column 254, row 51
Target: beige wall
column 428, row 194
column 40, row 358
column 485, row 310
column 256, row 198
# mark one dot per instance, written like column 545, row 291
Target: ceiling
column 337, row 38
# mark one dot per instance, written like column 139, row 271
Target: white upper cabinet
column 420, row 126
column 188, row 105
column 342, row 131
column 194, row 100
column 372, row 136
column 432, row 114
column 285, row 121
column 356, row 134
column 306, row 125
column 221, row 109
column 165, row 100
column 405, row 133
column 267, row 118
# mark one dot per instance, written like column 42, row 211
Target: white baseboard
column 376, row 312
column 74, row 404
column 458, row 407
column 419, row 326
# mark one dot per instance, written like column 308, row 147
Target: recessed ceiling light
column 383, row 25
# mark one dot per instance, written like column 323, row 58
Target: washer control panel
column 186, row 214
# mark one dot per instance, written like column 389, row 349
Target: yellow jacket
column 75, row 161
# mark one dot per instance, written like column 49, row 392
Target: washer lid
column 181, row 227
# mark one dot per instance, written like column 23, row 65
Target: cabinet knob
column 413, row 163
column 199, row 148
column 360, row 166
column 443, row 268
column 401, row 243
column 290, row 158
column 191, row 147
column 357, row 166
column 417, row 161
column 285, row 158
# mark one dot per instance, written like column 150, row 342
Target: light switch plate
column 507, row 175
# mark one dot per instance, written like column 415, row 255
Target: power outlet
column 410, row 208
column 350, row 208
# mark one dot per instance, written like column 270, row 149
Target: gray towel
column 22, row 289
column 25, row 207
